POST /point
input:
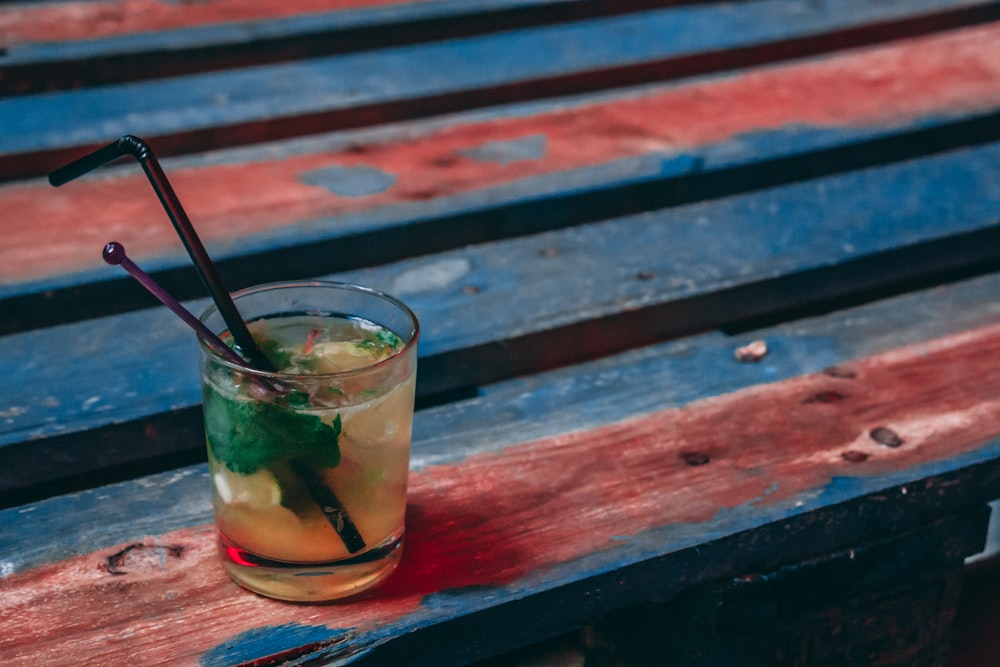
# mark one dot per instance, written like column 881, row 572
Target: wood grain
column 58, row 46
column 486, row 521
column 538, row 406
column 249, row 105
column 591, row 205
column 68, row 21
column 726, row 260
column 437, row 181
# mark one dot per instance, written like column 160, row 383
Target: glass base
column 310, row 582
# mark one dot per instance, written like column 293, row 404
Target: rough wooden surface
column 543, row 405
column 85, row 43
column 593, row 207
column 473, row 546
column 377, row 184
column 724, row 262
column 254, row 104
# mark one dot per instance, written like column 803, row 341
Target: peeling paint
column 431, row 276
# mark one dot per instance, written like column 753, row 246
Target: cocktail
column 309, row 462
column 308, row 399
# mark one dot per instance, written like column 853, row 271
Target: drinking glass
column 309, row 462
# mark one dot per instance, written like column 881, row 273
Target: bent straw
column 137, row 148
column 332, row 508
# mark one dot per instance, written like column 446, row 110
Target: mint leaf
column 384, row 344
column 248, row 435
column 389, row 338
column 318, row 451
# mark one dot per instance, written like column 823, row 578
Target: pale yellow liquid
column 298, row 555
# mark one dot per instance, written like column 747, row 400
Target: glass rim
column 275, row 286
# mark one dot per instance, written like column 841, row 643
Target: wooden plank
column 38, row 24
column 540, row 406
column 237, row 107
column 59, row 45
column 47, row 22
column 768, row 494
column 670, row 273
column 343, row 200
column 545, row 502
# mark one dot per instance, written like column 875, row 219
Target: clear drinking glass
column 309, row 464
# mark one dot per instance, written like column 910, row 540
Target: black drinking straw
column 137, row 148
column 332, row 508
column 114, row 253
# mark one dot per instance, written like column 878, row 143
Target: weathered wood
column 725, row 261
column 52, row 46
column 42, row 22
column 373, row 197
column 574, row 460
column 629, row 500
column 249, row 105
column 538, row 406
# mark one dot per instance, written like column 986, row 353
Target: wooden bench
column 593, row 208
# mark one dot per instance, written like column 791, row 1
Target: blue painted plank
column 261, row 101
column 584, row 396
column 494, row 310
column 155, row 51
column 402, row 22
column 232, row 34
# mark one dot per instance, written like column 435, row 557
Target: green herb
column 248, row 435
column 384, row 343
column 389, row 338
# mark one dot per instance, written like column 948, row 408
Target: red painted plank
column 945, row 74
column 508, row 518
column 67, row 21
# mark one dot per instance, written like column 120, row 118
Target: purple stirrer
column 114, row 254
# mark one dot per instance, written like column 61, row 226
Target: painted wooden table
column 709, row 305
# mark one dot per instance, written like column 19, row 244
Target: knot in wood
column 695, row 458
column 140, row 556
column 885, row 436
column 825, row 397
column 854, row 456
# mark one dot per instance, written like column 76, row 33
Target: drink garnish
column 246, row 436
column 311, row 339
